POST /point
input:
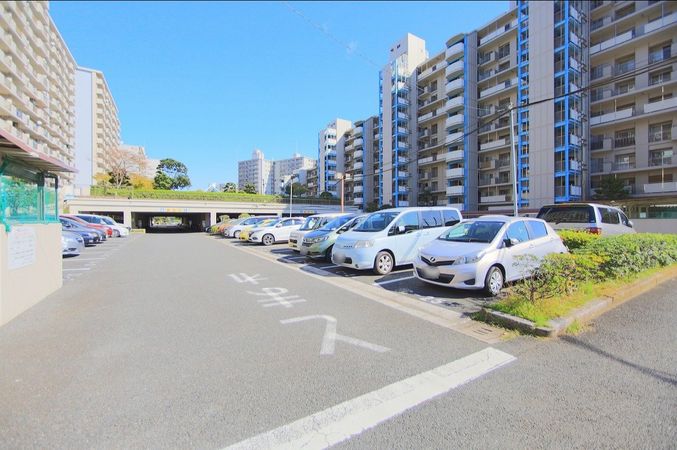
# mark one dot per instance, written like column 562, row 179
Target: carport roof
column 12, row 147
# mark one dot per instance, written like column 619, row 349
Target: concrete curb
column 585, row 313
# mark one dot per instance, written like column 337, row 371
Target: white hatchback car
column 277, row 231
column 484, row 253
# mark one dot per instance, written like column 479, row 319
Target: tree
column 299, row 189
column 244, row 216
column 425, row 198
column 326, row 195
column 249, row 188
column 121, row 164
column 371, row 207
column 171, row 174
column 102, row 179
column 230, row 187
column 610, row 188
column 140, row 182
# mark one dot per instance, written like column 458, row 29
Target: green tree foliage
column 230, row 187
column 243, row 216
column 249, row 188
column 171, row 174
column 326, row 195
column 610, row 188
column 371, row 207
column 299, row 189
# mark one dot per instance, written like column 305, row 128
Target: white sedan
column 485, row 253
column 277, row 231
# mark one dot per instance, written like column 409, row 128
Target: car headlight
column 318, row 239
column 364, row 244
column 467, row 259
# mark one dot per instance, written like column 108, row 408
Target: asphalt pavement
column 187, row 340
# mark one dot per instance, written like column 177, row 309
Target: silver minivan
column 592, row 217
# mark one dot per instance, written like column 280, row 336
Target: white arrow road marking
column 244, row 278
column 331, row 336
column 345, row 420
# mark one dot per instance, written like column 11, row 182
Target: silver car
column 72, row 244
column 485, row 253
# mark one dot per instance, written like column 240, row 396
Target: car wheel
column 384, row 263
column 268, row 239
column 236, row 235
column 116, row 233
column 493, row 282
column 327, row 254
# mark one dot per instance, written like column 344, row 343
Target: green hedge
column 209, row 196
column 628, row 254
column 574, row 240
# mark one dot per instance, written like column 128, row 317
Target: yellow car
column 244, row 234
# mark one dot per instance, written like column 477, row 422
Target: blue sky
column 207, row 82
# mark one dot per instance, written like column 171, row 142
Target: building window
column 660, row 98
column 660, row 77
column 503, row 51
column 660, row 131
column 660, row 52
column 624, row 138
column 661, row 157
column 625, row 64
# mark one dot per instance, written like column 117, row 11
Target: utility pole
column 513, row 151
column 291, row 194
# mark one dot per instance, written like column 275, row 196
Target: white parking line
column 84, row 268
column 295, row 258
column 381, row 283
column 329, row 266
column 345, row 420
column 82, row 259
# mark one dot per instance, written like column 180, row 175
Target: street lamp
column 343, row 177
column 291, row 190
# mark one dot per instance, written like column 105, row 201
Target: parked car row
column 444, row 249
column 85, row 230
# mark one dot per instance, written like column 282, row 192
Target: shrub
column 574, row 239
column 244, row 215
column 628, row 254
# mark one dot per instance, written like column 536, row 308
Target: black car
column 89, row 235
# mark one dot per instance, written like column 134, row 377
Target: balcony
column 657, row 106
column 358, row 131
column 358, row 189
column 358, row 165
column 624, row 165
column 454, row 103
column 454, row 85
column 454, row 173
column 494, row 144
column 660, row 23
column 402, row 190
column 488, row 164
column 499, row 87
column 453, row 50
column 495, row 199
column 453, row 138
column 612, row 116
column 402, row 160
column 358, row 154
column 456, row 119
column 454, row 156
column 612, row 42
column 454, row 68
column 358, row 141
column 454, row 190
column 659, row 188
column 358, row 200
column 499, row 32
column 425, row 117
column 660, row 162
column 402, row 130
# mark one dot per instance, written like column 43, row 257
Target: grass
column 541, row 311
column 575, row 328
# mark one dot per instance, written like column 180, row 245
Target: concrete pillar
column 212, row 217
column 127, row 218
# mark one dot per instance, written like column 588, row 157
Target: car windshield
column 310, row 223
column 336, row 223
column 270, row 223
column 475, row 231
column 108, row 221
column 376, row 222
column 567, row 214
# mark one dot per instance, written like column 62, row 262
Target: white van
column 592, row 217
column 392, row 237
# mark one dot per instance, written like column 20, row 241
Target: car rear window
column 609, row 216
column 567, row 214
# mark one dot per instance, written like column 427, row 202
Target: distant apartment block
column 327, row 156
column 37, row 83
column 358, row 148
column 97, row 127
column 268, row 176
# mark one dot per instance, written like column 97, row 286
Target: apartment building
column 97, row 127
column 268, row 176
column 633, row 102
column 397, row 118
column 327, row 155
column 357, row 147
column 37, row 83
column 312, row 183
column 284, row 169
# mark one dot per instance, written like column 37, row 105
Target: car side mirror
column 401, row 229
column 630, row 224
column 509, row 242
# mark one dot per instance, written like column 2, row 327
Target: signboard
column 174, row 209
column 21, row 245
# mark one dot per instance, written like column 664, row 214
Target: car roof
column 564, row 205
column 502, row 218
column 417, row 208
column 330, row 214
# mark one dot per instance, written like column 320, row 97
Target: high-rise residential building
column 633, row 102
column 97, row 127
column 269, row 176
column 358, row 147
column 327, row 157
column 284, row 169
column 37, row 79
column 397, row 97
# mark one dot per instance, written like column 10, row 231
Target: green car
column 319, row 243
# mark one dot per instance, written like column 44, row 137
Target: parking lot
column 91, row 257
column 401, row 280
